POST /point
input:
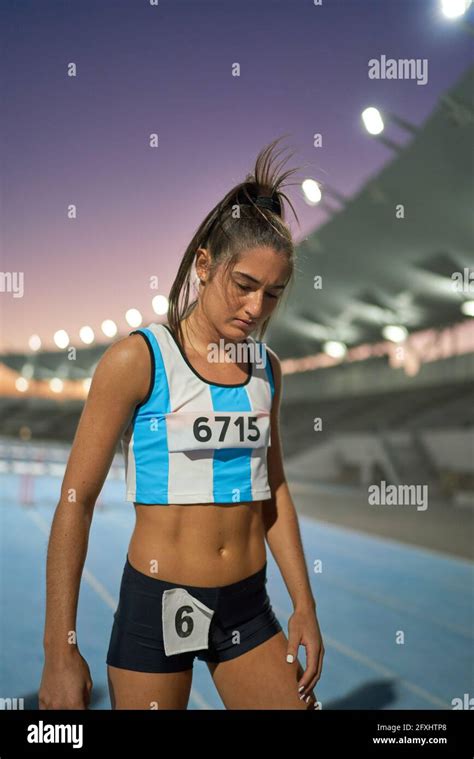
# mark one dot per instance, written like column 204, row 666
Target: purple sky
column 167, row 69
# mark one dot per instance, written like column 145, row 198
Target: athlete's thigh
column 261, row 678
column 148, row 690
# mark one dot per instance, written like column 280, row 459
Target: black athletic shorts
column 161, row 626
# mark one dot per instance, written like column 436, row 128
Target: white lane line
column 197, row 699
column 399, row 605
column 373, row 665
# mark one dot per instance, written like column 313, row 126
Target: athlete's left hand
column 303, row 630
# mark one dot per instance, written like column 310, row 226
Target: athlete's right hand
column 66, row 682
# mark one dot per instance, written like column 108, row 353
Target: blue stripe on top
column 232, row 476
column 150, row 442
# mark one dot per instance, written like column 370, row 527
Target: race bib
column 190, row 431
column 186, row 622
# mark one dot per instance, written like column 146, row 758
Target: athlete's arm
column 121, row 381
column 284, row 539
column 276, row 474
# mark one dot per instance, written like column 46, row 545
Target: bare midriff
column 208, row 545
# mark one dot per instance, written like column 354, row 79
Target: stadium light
column 56, row 385
column 468, row 307
column 133, row 317
column 311, row 191
column 314, row 196
column 109, row 328
column 61, row 338
column 87, row 335
column 395, row 333
column 373, row 120
column 334, row 348
column 375, row 125
column 455, row 8
column 160, row 304
column 34, row 342
column 22, row 384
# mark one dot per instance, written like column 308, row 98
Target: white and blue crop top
column 195, row 441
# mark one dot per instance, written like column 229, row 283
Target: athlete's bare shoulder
column 119, row 383
column 129, row 361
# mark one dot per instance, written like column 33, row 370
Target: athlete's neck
column 199, row 333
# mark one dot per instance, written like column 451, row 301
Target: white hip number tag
column 186, row 622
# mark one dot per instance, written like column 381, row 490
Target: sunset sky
column 167, row 69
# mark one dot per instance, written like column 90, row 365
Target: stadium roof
column 377, row 268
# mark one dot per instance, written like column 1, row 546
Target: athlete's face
column 239, row 300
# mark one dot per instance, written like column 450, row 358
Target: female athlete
column 195, row 405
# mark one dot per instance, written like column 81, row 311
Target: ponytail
column 250, row 215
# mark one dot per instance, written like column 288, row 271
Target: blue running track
column 369, row 590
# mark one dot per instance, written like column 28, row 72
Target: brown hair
column 235, row 224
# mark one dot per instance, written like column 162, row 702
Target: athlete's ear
column 202, row 263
